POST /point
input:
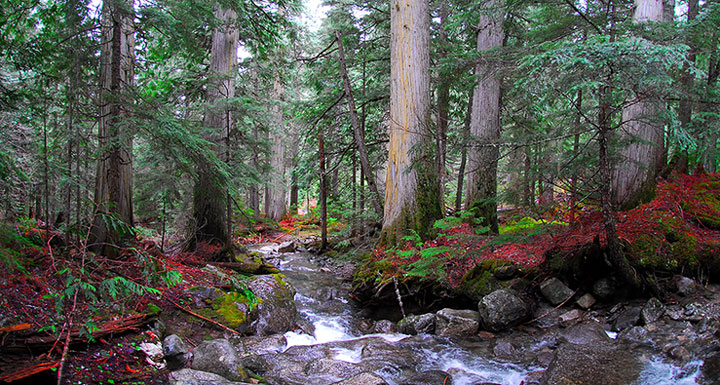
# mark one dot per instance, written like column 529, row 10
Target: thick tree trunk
column 643, row 158
column 209, row 197
column 253, row 190
column 485, row 127
column 276, row 199
column 113, row 184
column 412, row 192
column 685, row 107
column 357, row 129
column 443, row 104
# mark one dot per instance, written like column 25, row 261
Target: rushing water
column 321, row 300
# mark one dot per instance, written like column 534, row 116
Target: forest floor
column 97, row 317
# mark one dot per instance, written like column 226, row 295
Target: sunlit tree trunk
column 209, row 196
column 643, row 158
column 485, row 122
column 276, row 199
column 412, row 192
column 113, row 183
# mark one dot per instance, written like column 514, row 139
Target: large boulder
column 586, row 333
column 502, row 309
column 592, row 364
column 452, row 322
column 363, row 379
column 555, row 291
column 429, row 377
column 627, row 319
column 219, row 357
column 417, row 324
column 276, row 311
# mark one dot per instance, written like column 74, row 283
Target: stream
column 330, row 347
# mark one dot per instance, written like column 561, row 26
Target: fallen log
column 29, row 371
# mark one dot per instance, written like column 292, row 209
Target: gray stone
column 219, row 357
column 175, row 352
column 571, row 317
column 263, row 344
column 711, row 368
column 363, row 379
column 686, row 286
column 652, row 311
column 203, row 296
column 276, row 311
column 452, row 322
column 197, row 377
column 586, row 333
column 626, row 319
column 680, row 353
column 586, row 301
column 555, row 291
column 502, row 309
column 505, row 350
column 385, row 326
column 286, row 247
column 417, row 324
column 604, row 288
column 594, row 364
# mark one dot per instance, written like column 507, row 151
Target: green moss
column 480, row 281
column 232, row 308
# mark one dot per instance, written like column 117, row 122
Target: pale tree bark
column 643, row 157
column 209, row 197
column 412, row 192
column 357, row 129
column 481, row 190
column 276, row 198
column 443, row 102
column 113, row 178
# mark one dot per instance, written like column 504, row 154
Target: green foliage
column 431, row 263
column 528, row 225
column 237, row 283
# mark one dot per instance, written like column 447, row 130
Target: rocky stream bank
column 306, row 328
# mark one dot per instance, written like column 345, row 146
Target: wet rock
column 604, row 288
column 505, row 350
column 505, row 272
column 711, row 368
column 555, row 291
column 276, row 312
column 287, row 247
column 686, row 286
column 586, row 333
column 502, row 309
column 417, row 324
column 626, row 319
column 429, row 377
column 571, row 317
column 680, row 353
column 175, row 352
column 263, row 344
column 219, row 357
column 546, row 316
column 197, row 377
column 652, row 311
column 256, row 364
column 635, row 334
column 451, row 322
column 385, row 326
column 363, row 379
column 594, row 364
column 331, row 369
column 586, row 301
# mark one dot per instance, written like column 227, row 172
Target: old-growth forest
column 359, row 192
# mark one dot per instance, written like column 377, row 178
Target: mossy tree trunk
column 113, row 178
column 209, row 196
column 412, row 192
column 485, row 120
column 644, row 156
